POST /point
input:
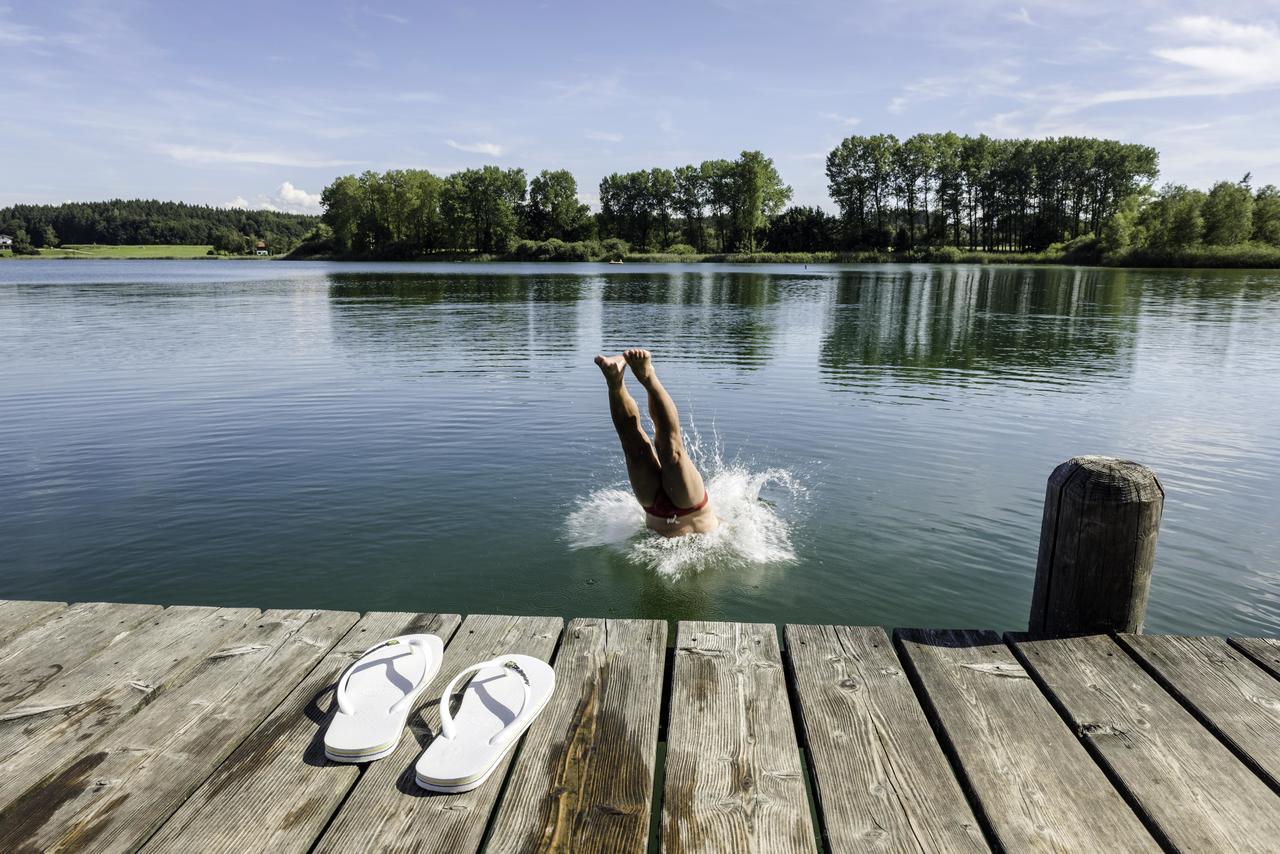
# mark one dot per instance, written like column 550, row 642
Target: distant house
column 6, row 242
column 261, row 248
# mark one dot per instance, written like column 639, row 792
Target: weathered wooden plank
column 1264, row 651
column 114, row 795
column 881, row 779
column 18, row 615
column 277, row 791
column 67, row 715
column 734, row 779
column 584, row 782
column 62, row 641
column 1199, row 795
column 1228, row 691
column 1036, row 784
column 386, row 809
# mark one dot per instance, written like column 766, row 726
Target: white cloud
column 847, row 121
column 1246, row 55
column 602, row 136
column 287, row 199
column 1022, row 16
column 492, row 149
column 1217, row 57
column 196, row 154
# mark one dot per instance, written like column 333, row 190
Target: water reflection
column 955, row 325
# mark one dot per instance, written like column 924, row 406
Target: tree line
column 720, row 204
column 149, row 222
column 929, row 197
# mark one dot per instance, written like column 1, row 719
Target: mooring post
column 1097, row 547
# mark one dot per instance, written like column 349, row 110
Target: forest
column 929, row 197
column 138, row 221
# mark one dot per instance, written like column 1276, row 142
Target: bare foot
column 612, row 367
column 641, row 364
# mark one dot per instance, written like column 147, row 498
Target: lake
column 436, row 437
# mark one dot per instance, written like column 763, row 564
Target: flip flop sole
column 455, row 787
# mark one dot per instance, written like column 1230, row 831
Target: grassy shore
column 93, row 250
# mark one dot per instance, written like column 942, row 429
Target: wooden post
column 1097, row 547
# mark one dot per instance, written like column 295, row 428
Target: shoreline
column 648, row 260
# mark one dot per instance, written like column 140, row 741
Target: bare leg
column 642, row 464
column 680, row 478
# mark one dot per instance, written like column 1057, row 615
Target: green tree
column 1175, row 219
column 1228, row 214
column 343, row 203
column 553, row 210
column 1266, row 215
column 479, row 208
column 757, row 193
column 690, row 203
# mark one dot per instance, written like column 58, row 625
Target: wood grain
column 1036, row 784
column 61, row 641
column 734, row 778
column 1097, row 547
column 17, row 615
column 1199, row 795
column 1229, row 692
column 881, row 779
column 584, row 780
column 1265, row 652
column 386, row 810
column 285, row 755
column 83, row 704
column 171, row 746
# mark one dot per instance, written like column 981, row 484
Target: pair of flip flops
column 376, row 694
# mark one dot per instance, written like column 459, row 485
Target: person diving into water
column 665, row 481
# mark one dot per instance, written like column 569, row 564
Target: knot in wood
column 849, row 684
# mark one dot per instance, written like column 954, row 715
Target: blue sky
column 262, row 104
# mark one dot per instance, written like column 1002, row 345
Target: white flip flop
column 498, row 705
column 376, row 694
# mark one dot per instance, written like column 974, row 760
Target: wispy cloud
column 386, row 16
column 1022, row 16
column 198, row 155
column 987, row 79
column 1214, row 57
column 604, row 87
column 847, row 121
column 603, row 136
column 421, row 97
column 492, row 149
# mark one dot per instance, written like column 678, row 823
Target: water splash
column 753, row 506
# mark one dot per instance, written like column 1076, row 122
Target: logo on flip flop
column 511, row 665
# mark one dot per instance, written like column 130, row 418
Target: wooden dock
column 136, row 727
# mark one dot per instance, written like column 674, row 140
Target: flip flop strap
column 509, row 668
column 344, row 699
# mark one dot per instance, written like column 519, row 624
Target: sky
column 262, row 104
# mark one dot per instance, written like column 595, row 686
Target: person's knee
column 670, row 454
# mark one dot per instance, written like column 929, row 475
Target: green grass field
column 87, row 250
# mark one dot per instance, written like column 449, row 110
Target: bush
column 680, row 249
column 555, row 249
column 614, row 249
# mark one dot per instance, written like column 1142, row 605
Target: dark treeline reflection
column 459, row 323
column 924, row 325
column 408, row 288
column 725, row 317
column 989, row 321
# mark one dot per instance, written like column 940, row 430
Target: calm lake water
column 435, row 437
